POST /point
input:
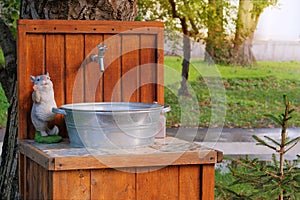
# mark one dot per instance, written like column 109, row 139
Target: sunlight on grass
column 251, row 92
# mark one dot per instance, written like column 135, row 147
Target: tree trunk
column 125, row 10
column 43, row 9
column 9, row 156
column 245, row 27
column 8, row 78
column 183, row 90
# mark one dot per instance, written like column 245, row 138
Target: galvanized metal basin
column 112, row 124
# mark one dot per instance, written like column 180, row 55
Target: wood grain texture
column 207, row 182
column 113, row 184
column 189, row 182
column 130, row 68
column 64, row 157
column 35, row 57
column 148, row 68
column 92, row 75
column 91, row 26
column 112, row 74
column 159, row 184
column 71, row 185
column 74, row 72
column 160, row 65
column 23, row 87
column 55, row 66
column 22, row 174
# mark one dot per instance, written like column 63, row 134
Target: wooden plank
column 130, row 68
column 207, row 182
column 74, row 72
column 125, row 160
column 44, row 181
column 63, row 157
column 26, row 166
column 72, row 185
column 90, row 26
column 55, row 66
column 189, row 182
column 31, row 180
column 93, row 76
column 21, row 174
column 114, row 184
column 159, row 184
column 160, row 65
column 36, row 155
column 23, row 85
column 112, row 74
column 35, row 65
column 148, row 68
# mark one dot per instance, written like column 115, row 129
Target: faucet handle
column 101, row 49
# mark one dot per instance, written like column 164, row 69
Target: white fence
column 278, row 51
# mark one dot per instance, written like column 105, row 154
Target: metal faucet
column 100, row 57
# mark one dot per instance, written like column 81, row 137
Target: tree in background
column 246, row 23
column 217, row 46
column 39, row 9
column 229, row 28
column 179, row 16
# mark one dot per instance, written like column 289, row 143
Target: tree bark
column 8, row 78
column 183, row 90
column 245, row 27
column 9, row 156
column 42, row 9
column 125, row 10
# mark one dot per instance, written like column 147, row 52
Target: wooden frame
column 162, row 171
column 61, row 46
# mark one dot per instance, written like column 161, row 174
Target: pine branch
column 272, row 140
column 262, row 142
column 274, row 119
column 296, row 142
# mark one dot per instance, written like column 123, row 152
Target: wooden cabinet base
column 46, row 172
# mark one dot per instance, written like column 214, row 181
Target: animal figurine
column 43, row 102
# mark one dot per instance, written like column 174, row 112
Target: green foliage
column 162, row 10
column 2, row 58
column 216, row 22
column 278, row 179
column 9, row 13
column 3, row 108
column 259, row 6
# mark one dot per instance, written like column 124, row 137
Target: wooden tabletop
column 164, row 152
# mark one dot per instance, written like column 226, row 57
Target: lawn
column 232, row 96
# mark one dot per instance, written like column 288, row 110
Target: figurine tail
column 54, row 131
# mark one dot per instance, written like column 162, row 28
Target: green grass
column 243, row 94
